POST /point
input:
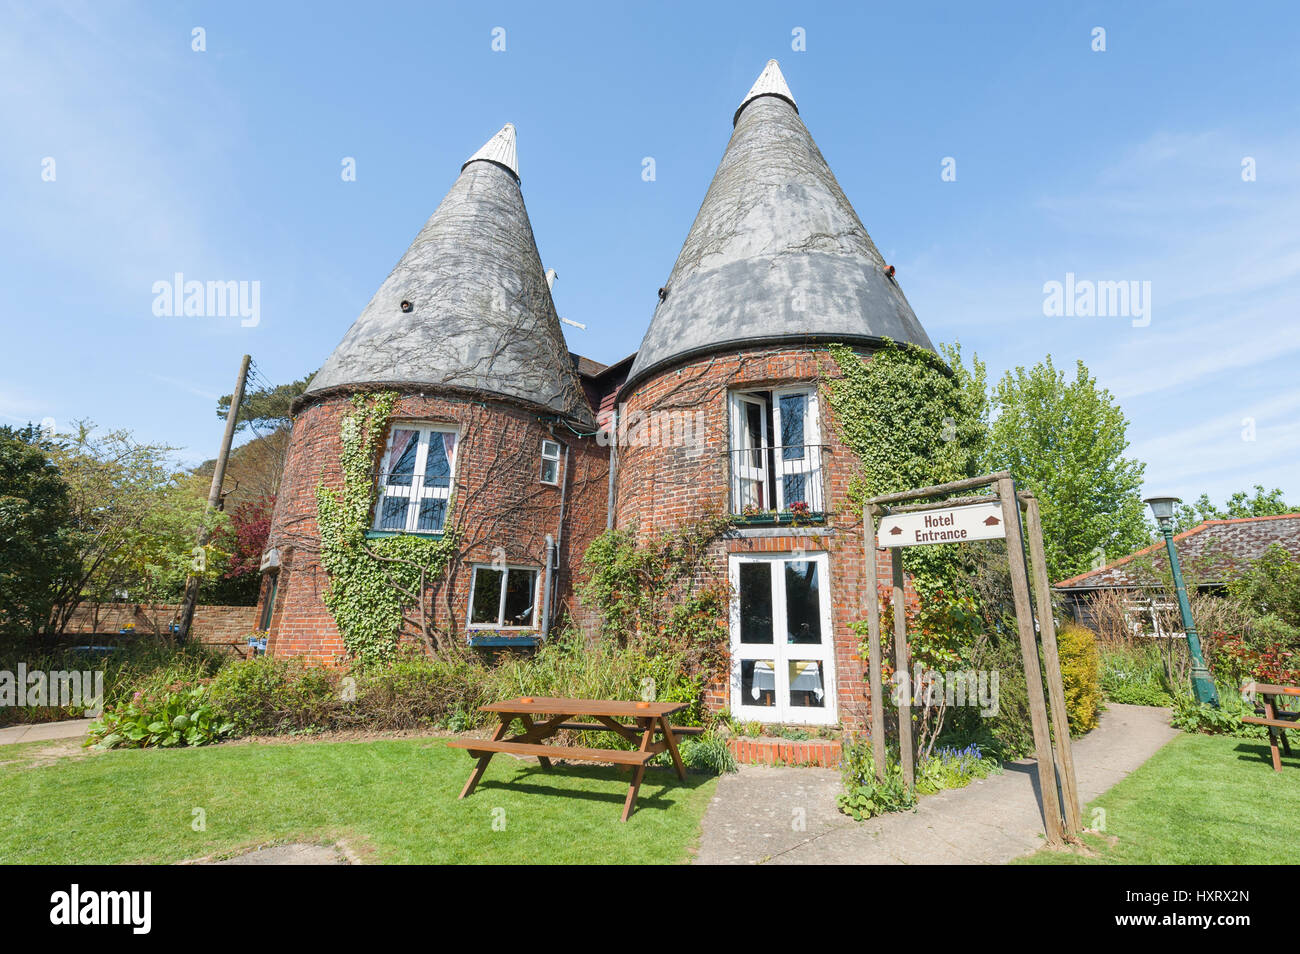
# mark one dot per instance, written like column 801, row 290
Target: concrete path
column 43, row 731
column 764, row 815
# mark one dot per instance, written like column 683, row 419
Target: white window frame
column 750, row 479
column 780, row 650
column 810, row 466
column 501, row 602
column 418, row 490
column 550, row 457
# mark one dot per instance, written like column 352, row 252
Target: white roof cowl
column 770, row 82
column 499, row 149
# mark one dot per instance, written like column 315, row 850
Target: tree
column 35, row 549
column 1065, row 440
column 133, row 522
column 244, row 539
column 1263, row 504
column 265, row 408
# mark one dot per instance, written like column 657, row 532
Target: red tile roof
column 1210, row 552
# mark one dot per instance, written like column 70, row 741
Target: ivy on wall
column 373, row 584
column 912, row 421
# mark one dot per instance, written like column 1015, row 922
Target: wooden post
column 214, row 496
column 903, row 666
column 1052, row 665
column 1033, row 673
column 875, row 684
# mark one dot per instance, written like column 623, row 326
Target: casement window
column 776, row 451
column 503, row 598
column 782, row 652
column 415, row 478
column 550, row 462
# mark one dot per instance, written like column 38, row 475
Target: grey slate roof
column 776, row 253
column 482, row 319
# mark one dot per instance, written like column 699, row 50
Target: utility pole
column 214, row 501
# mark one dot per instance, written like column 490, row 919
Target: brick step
column 821, row 753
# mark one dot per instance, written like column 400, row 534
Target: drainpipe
column 553, row 545
column 546, row 588
column 613, row 467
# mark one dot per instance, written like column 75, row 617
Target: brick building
column 718, row 410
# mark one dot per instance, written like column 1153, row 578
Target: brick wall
column 502, row 509
column 664, row 487
column 223, row 625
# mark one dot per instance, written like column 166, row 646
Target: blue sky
column 225, row 165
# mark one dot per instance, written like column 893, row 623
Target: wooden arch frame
column 1061, row 816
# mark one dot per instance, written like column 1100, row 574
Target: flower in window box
column 800, row 511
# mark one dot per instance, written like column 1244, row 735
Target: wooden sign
column 953, row 525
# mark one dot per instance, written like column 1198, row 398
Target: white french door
column 782, row 648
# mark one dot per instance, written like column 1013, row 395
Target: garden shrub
column 948, row 767
column 1081, row 676
column 179, row 716
column 707, row 752
column 415, row 692
column 1191, row 716
column 267, row 696
column 1133, row 673
column 864, row 795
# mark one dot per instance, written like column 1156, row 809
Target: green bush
column 707, row 752
column 865, row 796
column 268, row 696
column 415, row 691
column 949, row 767
column 169, row 718
column 1081, row 676
column 1191, row 716
column 1134, row 674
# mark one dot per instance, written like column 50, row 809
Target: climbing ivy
column 372, row 583
column 912, row 421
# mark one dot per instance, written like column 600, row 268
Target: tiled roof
column 1210, row 552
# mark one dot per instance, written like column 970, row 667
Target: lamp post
column 1202, row 684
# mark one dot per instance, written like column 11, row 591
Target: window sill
column 520, row 640
column 385, row 534
column 783, row 519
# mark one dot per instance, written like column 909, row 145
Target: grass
column 1202, row 799
column 391, row 800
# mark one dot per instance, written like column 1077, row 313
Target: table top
column 1268, row 690
column 545, row 705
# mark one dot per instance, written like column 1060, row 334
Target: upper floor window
column 415, row 478
column 776, row 451
column 550, row 462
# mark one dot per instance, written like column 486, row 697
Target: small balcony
column 780, row 484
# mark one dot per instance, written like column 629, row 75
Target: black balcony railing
column 411, row 503
column 783, row 479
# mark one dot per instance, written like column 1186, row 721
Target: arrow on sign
column 991, row 521
column 896, row 530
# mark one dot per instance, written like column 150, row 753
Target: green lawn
column 1202, row 799
column 392, row 800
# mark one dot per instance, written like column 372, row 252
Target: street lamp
column 1202, row 685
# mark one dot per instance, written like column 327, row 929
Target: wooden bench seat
column 1273, row 723
column 617, row 756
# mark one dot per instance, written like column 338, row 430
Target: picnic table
column 1278, row 720
column 649, row 719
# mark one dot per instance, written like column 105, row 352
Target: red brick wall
column 225, row 625
column 661, row 488
column 500, row 503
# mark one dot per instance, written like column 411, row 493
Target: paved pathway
column 42, row 731
column 764, row 815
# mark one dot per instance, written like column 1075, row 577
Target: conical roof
column 776, row 253
column 467, row 307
